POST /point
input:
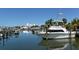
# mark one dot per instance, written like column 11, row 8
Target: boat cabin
column 56, row 29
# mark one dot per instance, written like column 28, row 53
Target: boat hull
column 57, row 35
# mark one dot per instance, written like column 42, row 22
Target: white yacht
column 57, row 32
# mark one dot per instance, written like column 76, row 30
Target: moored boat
column 1, row 34
column 56, row 32
column 26, row 31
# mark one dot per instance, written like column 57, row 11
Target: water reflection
column 16, row 35
column 0, row 40
column 64, row 44
column 76, row 43
column 26, row 41
column 5, row 38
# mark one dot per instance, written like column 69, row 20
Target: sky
column 20, row 16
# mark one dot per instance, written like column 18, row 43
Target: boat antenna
column 60, row 15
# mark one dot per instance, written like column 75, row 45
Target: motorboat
column 56, row 32
column 1, row 35
column 25, row 31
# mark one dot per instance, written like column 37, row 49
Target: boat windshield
column 55, row 31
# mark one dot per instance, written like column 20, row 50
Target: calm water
column 28, row 41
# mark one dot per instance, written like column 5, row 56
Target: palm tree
column 75, row 23
column 68, row 26
column 49, row 22
column 64, row 20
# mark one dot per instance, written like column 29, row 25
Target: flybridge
column 57, row 23
column 57, row 28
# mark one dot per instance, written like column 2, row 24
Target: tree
column 64, row 20
column 68, row 26
column 49, row 22
column 75, row 23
